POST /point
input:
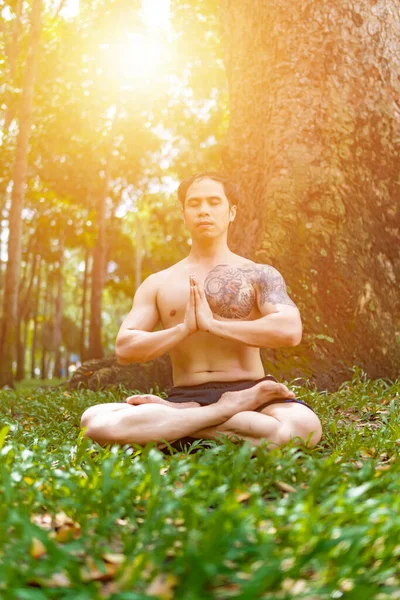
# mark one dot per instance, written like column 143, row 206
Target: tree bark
column 10, row 300
column 58, row 312
column 12, row 64
column 23, row 317
column 47, row 296
column 311, row 141
column 35, row 320
column 84, row 304
column 99, row 258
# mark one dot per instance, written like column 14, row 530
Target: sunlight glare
column 137, row 57
column 155, row 13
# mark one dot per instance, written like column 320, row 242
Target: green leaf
column 3, row 435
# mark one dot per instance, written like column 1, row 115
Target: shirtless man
column 217, row 310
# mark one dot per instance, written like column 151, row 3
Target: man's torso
column 231, row 293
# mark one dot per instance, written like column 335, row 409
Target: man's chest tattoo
column 229, row 293
column 231, row 290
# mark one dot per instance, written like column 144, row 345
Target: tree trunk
column 311, row 141
column 35, row 320
column 10, row 300
column 98, row 272
column 12, row 64
column 84, row 303
column 95, row 344
column 67, row 364
column 47, row 296
column 58, row 313
column 23, row 317
column 139, row 253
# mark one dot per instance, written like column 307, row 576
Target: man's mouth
column 202, row 223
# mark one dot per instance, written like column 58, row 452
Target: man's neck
column 212, row 252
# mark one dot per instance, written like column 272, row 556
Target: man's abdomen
column 214, row 360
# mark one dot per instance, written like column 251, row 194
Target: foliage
column 80, row 521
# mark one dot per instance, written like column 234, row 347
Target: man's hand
column 204, row 315
column 190, row 321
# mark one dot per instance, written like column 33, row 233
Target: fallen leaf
column 162, row 587
column 91, row 572
column 56, row 580
column 242, row 497
column 44, row 521
column 113, row 558
column 66, row 529
column 285, row 487
column 37, row 548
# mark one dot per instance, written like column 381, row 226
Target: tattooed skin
column 231, row 290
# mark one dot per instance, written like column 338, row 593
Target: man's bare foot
column 152, row 399
column 254, row 397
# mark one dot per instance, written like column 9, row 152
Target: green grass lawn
column 82, row 522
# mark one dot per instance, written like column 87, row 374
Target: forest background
column 107, row 105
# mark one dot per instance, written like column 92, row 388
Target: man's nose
column 204, row 209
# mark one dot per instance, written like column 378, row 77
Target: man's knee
column 309, row 430
column 99, row 410
column 88, row 415
column 100, row 421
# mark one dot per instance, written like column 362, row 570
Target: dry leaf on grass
column 113, row 558
column 91, row 572
column 56, row 580
column 37, row 548
column 285, row 487
column 163, row 586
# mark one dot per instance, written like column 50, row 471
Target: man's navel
column 172, row 313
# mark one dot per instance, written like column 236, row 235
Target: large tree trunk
column 10, row 300
column 313, row 115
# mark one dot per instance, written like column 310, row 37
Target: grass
column 82, row 522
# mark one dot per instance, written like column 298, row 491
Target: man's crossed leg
column 147, row 418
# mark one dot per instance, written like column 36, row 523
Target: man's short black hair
column 231, row 189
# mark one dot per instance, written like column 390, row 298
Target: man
column 217, row 310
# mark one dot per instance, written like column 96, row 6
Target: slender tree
column 10, row 300
column 58, row 310
column 35, row 318
column 24, row 308
column 82, row 344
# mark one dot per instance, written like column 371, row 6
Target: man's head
column 209, row 202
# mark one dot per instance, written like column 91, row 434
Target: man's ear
column 232, row 212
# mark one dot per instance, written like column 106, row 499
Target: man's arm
column 280, row 324
column 136, row 341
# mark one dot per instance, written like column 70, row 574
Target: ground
column 80, row 521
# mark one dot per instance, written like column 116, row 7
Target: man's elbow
column 121, row 360
column 127, row 355
column 121, row 353
column 295, row 339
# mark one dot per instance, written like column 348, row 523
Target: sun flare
column 136, row 57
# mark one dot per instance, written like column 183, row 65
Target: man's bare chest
column 229, row 289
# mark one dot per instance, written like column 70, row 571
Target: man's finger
column 197, row 294
column 192, row 297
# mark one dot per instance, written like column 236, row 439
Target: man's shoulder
column 256, row 268
column 160, row 277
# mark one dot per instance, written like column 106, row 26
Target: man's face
column 206, row 211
